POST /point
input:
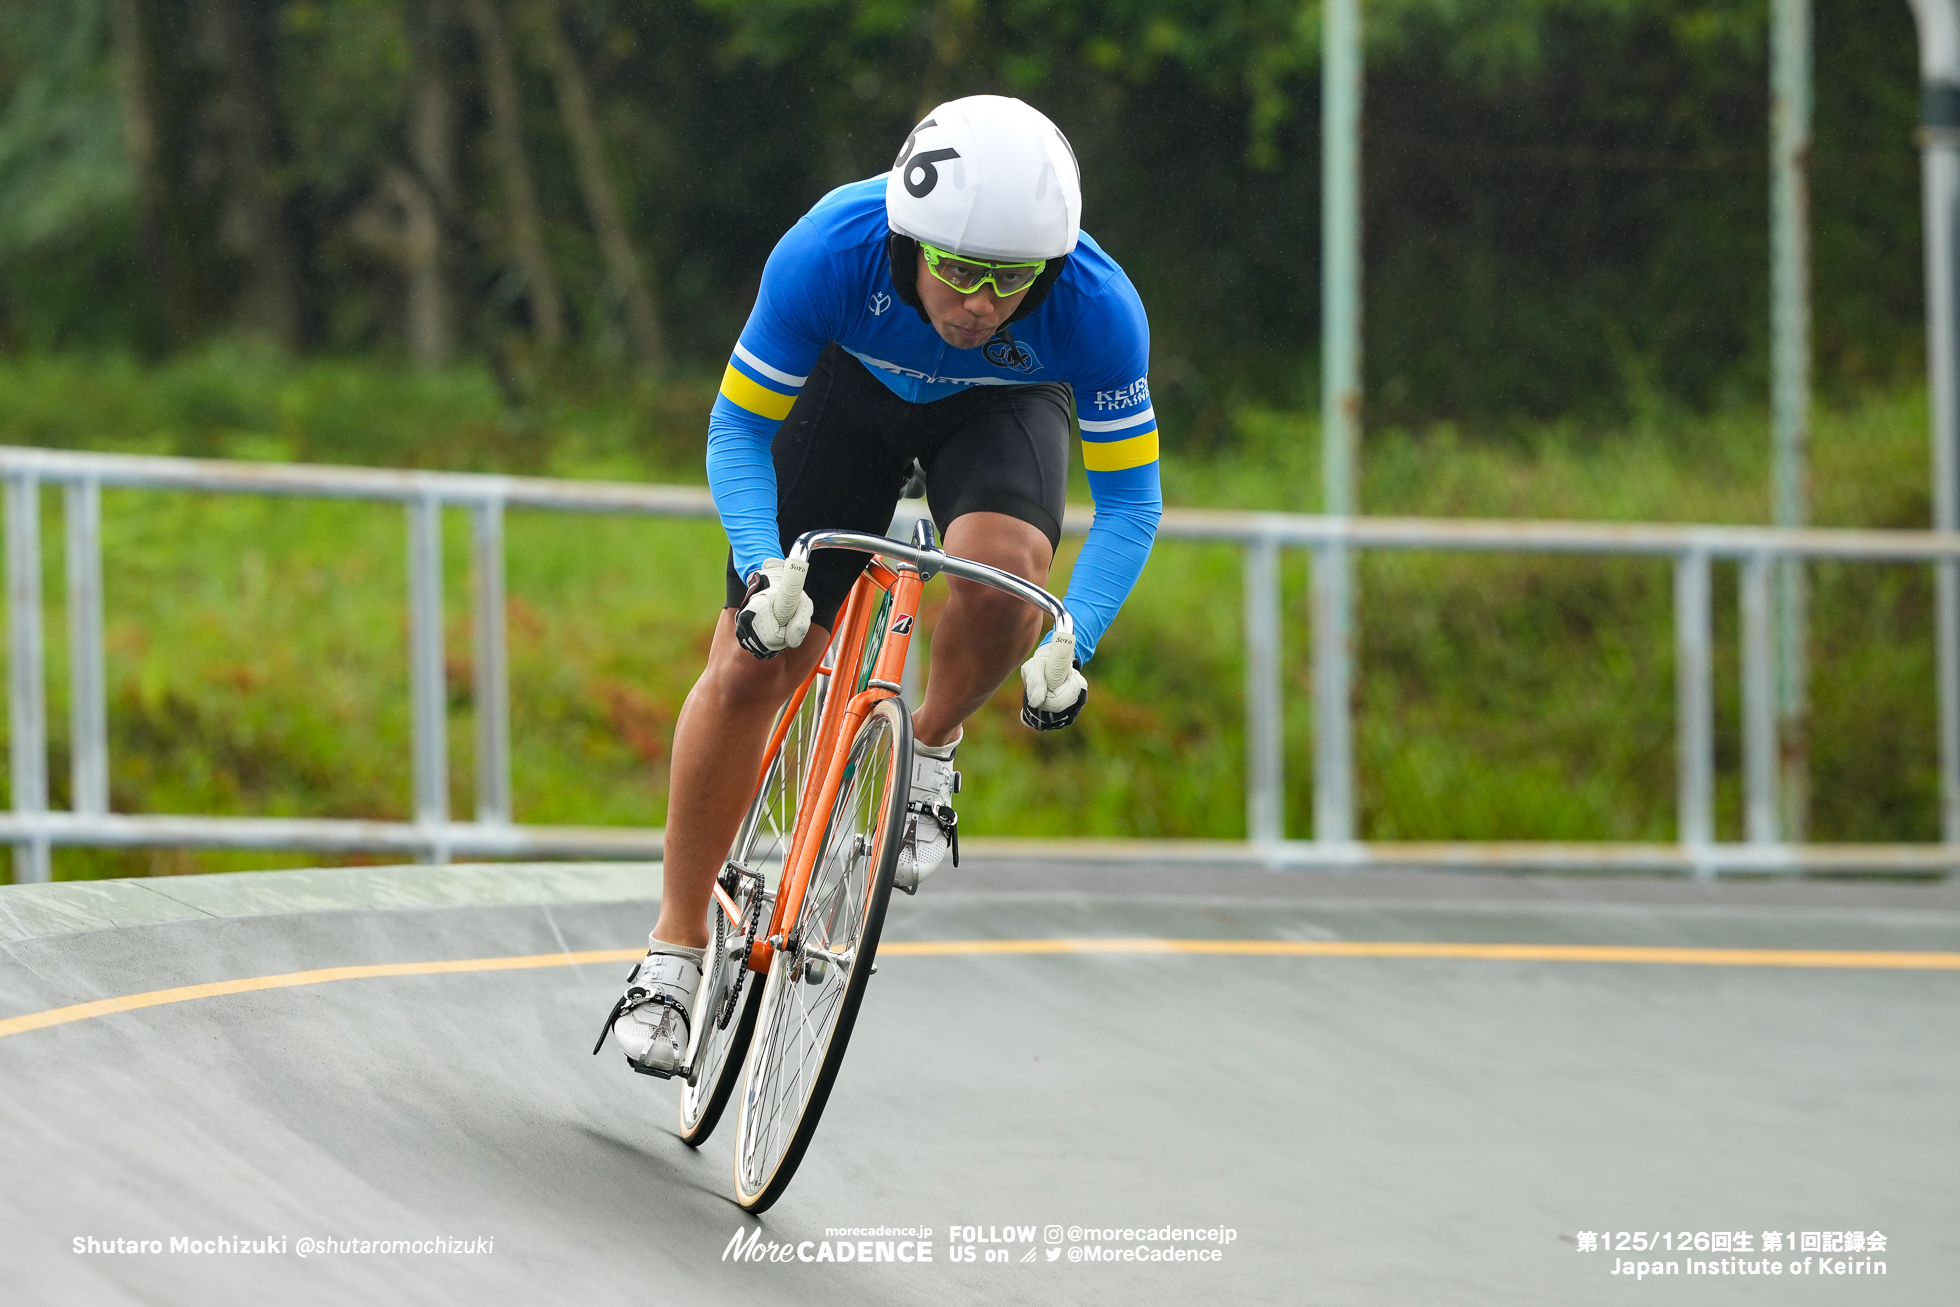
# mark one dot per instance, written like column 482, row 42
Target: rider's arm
column 788, row 328
column 1128, row 506
column 1119, row 449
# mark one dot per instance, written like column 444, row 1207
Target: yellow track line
column 1596, row 953
column 1344, row 948
column 103, row 1007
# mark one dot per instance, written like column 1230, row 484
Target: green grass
column 1508, row 698
column 257, row 648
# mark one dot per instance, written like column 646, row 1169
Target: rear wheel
column 725, row 1008
column 817, row 980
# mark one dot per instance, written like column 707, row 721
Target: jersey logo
column 1021, row 358
column 879, row 302
column 1137, row 392
column 902, row 625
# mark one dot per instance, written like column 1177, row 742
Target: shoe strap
column 658, row 968
column 656, row 979
column 940, row 812
column 657, row 998
column 932, row 777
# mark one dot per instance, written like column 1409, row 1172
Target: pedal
column 680, row 1071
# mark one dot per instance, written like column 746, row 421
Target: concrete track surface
column 1376, row 1130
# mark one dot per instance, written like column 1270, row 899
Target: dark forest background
column 1566, row 200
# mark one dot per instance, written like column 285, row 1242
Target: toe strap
column 949, row 822
column 639, row 994
column 618, row 1008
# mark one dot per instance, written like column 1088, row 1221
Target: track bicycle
column 801, row 899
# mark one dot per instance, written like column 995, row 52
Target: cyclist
column 947, row 311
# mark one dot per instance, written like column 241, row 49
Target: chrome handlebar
column 931, row 560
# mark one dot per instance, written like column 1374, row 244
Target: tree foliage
column 1565, row 200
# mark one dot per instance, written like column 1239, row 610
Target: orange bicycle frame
column 838, row 723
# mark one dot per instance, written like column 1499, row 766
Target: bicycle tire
column 761, row 843
column 800, row 1037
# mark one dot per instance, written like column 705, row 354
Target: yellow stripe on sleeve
column 744, row 393
column 1115, row 455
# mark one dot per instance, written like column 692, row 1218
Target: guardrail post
column 427, row 689
column 88, row 711
column 1265, row 764
column 1333, row 753
column 26, row 676
column 1759, row 701
column 1946, row 626
column 492, row 664
column 1694, row 709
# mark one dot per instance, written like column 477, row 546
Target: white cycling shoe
column 650, row 1021
column 933, row 830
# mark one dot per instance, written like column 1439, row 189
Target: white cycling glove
column 1053, row 687
column 775, row 612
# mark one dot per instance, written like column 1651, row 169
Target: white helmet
column 990, row 177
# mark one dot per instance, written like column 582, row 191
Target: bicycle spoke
column 798, row 1044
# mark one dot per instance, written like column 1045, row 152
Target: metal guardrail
column 33, row 830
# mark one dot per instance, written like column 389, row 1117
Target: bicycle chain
column 733, row 999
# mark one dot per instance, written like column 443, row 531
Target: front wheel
column 726, row 1007
column 817, row 980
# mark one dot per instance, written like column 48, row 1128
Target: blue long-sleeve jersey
column 829, row 279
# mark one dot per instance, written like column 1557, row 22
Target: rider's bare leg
column 718, row 744
column 983, row 634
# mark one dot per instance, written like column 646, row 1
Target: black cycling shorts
column 845, row 450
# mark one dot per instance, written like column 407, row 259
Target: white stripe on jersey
column 1117, row 424
column 774, row 374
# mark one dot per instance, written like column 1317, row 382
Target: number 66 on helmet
column 987, row 176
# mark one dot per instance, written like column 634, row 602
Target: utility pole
column 1790, row 139
column 1939, row 155
column 1340, row 413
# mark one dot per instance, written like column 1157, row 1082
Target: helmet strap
column 902, row 254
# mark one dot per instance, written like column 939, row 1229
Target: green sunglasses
column 969, row 275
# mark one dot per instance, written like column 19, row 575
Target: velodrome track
column 1379, row 1125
